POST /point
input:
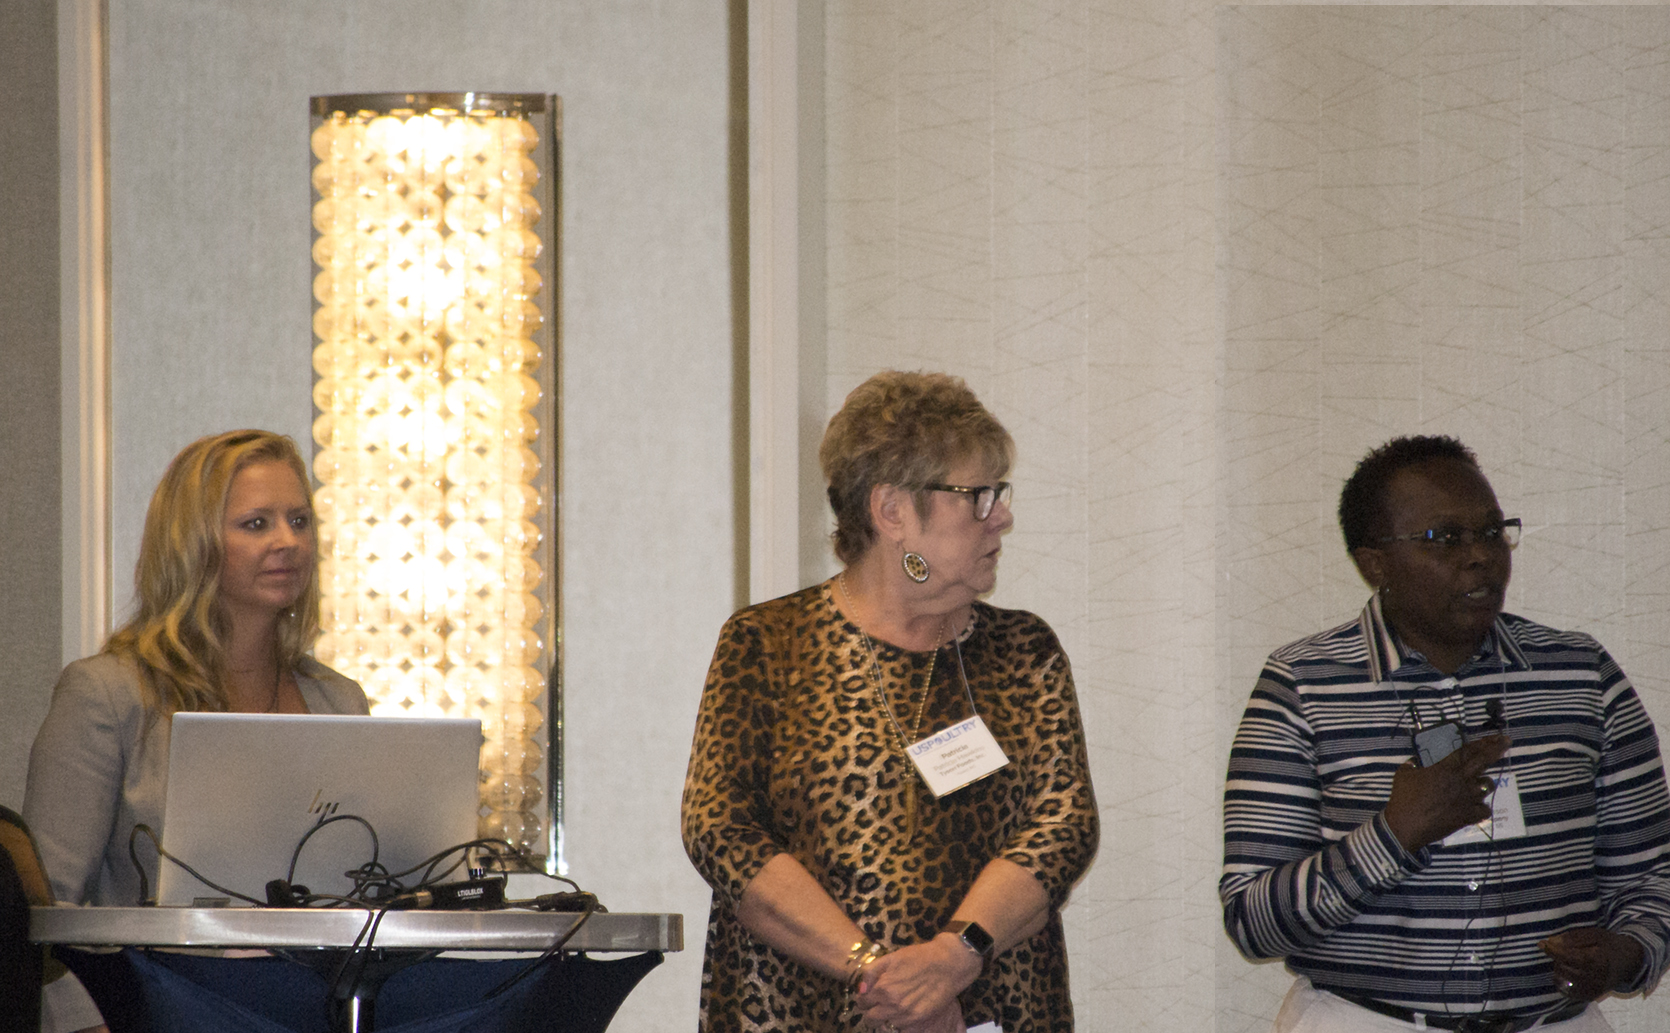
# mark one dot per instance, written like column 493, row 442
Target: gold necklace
column 892, row 718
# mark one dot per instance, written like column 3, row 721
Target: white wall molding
column 85, row 319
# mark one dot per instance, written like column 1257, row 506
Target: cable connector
column 284, row 894
column 573, row 901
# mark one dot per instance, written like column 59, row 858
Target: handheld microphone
column 1498, row 721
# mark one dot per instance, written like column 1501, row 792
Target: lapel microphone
column 1493, row 710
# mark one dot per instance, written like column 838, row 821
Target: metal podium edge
column 338, row 927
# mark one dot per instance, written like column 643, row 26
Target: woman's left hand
column 948, row 1019
column 915, row 988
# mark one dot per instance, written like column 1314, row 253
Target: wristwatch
column 974, row 937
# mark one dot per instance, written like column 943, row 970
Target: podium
column 594, row 988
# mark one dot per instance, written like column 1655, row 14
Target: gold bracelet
column 862, row 953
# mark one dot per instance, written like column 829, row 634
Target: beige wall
column 211, row 309
column 1200, row 258
column 29, row 511
column 1447, row 219
column 1022, row 194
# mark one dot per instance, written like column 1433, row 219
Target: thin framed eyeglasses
column 985, row 495
column 1505, row 532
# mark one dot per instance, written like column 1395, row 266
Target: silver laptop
column 243, row 789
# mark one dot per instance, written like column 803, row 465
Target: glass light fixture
column 435, row 375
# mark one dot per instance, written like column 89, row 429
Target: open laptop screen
column 243, row 789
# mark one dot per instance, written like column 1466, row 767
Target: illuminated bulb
column 424, row 321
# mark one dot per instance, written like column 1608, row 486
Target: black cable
column 435, row 859
column 321, row 823
column 145, row 898
column 544, row 957
column 144, row 884
column 367, row 873
column 372, row 875
column 1494, row 868
column 373, row 918
column 1496, row 865
column 372, row 878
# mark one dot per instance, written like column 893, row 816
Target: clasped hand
column 1429, row 803
column 914, row 989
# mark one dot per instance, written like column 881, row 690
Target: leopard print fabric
column 793, row 752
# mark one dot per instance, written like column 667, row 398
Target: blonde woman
column 228, row 604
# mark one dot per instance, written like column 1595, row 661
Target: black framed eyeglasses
column 1505, row 532
column 985, row 495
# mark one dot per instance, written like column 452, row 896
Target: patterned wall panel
column 1201, row 257
column 1645, row 313
column 1147, row 913
column 1272, row 381
column 1429, row 221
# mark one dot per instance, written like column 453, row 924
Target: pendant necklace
column 910, row 777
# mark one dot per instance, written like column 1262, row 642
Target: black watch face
column 977, row 938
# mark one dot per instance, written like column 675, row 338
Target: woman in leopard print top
column 846, row 896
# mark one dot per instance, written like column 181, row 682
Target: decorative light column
column 436, row 504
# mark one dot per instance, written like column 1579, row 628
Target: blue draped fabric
column 141, row 991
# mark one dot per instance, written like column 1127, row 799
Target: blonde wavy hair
column 177, row 637
column 904, row 429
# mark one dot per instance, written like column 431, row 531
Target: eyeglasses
column 985, row 495
column 1505, row 532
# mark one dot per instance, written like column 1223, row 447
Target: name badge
column 953, row 757
column 1507, row 817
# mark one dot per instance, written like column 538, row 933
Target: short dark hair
column 1362, row 502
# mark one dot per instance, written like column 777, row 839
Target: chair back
column 22, row 884
column 17, row 841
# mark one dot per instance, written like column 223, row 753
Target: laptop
column 243, row 789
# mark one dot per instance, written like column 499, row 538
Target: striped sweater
column 1313, row 874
